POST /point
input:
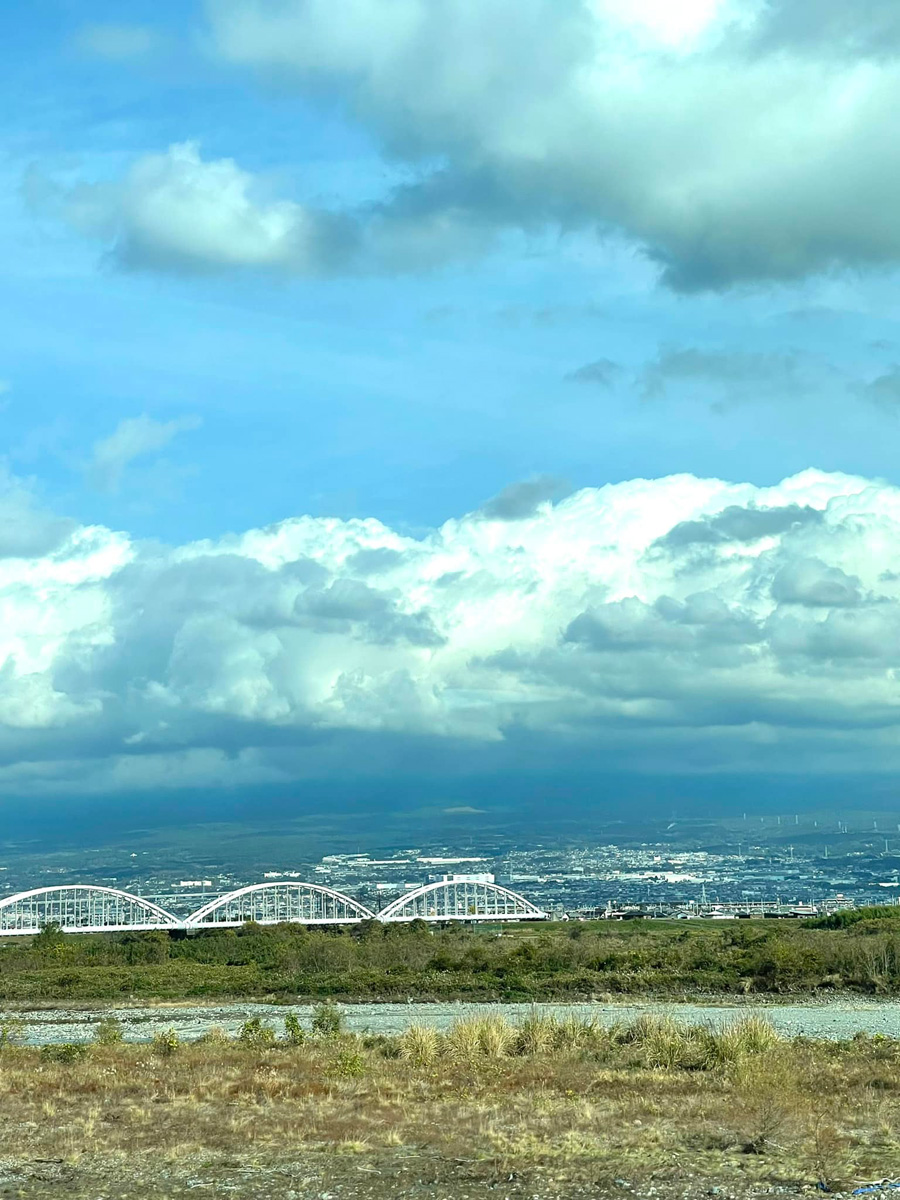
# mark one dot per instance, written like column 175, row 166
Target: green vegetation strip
column 853, row 952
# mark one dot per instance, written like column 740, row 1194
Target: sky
column 401, row 391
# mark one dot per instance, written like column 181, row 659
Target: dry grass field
column 549, row 1109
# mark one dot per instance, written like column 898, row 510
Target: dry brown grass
column 653, row 1101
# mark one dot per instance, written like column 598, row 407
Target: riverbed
column 837, row 1019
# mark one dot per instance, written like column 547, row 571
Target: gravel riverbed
column 837, row 1019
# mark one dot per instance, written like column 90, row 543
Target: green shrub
column 109, row 1032
column 66, row 1052
column 50, row 940
column 215, row 1036
column 256, row 1035
column 165, row 1043
column 294, row 1033
column 348, row 1063
column 12, row 1031
column 846, row 917
column 861, row 953
column 327, row 1019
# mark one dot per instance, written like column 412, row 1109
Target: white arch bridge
column 89, row 908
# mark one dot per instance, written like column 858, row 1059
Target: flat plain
column 547, row 1108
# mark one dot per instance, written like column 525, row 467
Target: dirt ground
column 544, row 1111
column 379, row 1176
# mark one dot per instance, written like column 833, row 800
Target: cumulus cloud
column 133, row 438
column 178, row 212
column 585, row 630
column 734, row 140
column 813, row 582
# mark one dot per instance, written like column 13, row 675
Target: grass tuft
column 537, row 1034
column 480, row 1037
column 746, row 1036
column 420, row 1045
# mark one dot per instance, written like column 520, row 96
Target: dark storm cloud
column 737, row 524
column 884, row 389
column 700, row 620
column 732, row 372
column 523, row 499
column 351, row 604
column 603, row 372
column 865, row 28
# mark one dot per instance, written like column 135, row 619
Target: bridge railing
column 274, row 903
column 80, row 908
column 461, row 900
column 89, row 908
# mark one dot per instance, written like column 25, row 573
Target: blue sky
column 275, row 259
column 411, row 397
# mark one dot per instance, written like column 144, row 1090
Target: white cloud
column 27, row 531
column 176, row 212
column 673, row 625
column 117, row 42
column 733, row 140
column 132, row 438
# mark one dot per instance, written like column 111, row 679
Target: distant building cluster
column 658, row 876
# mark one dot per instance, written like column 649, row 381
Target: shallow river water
column 836, row 1019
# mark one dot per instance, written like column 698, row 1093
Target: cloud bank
column 677, row 625
column 734, row 140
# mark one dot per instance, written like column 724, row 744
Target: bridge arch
column 279, row 901
column 80, row 908
column 461, row 900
